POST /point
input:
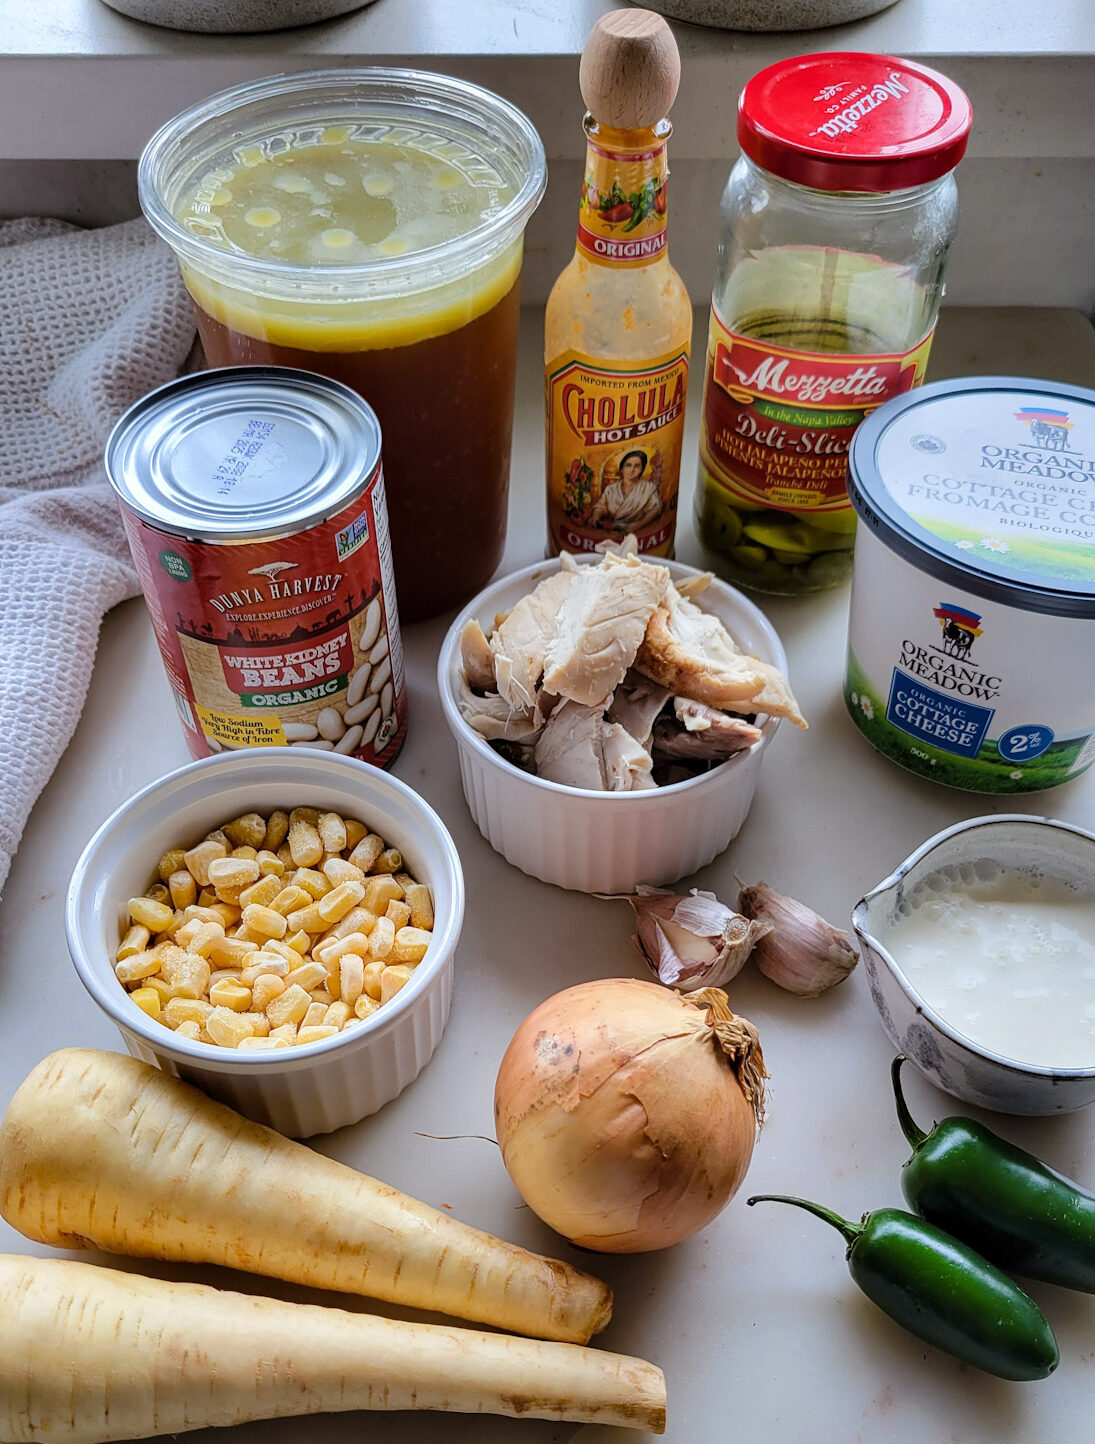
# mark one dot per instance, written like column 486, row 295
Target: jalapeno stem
column 851, row 1231
column 911, row 1130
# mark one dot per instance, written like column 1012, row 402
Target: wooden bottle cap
column 630, row 69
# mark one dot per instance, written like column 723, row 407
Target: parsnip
column 99, row 1149
column 91, row 1355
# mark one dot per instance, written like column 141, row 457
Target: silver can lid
column 243, row 452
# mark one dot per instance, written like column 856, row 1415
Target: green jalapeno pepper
column 943, row 1292
column 998, row 1198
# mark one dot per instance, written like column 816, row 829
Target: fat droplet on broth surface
column 332, row 179
column 376, row 185
column 262, row 217
column 337, row 238
column 292, row 184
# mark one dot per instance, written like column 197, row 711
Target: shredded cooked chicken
column 690, row 652
column 604, row 671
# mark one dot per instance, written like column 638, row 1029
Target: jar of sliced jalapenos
column 836, row 223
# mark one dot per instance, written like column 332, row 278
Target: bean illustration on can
column 253, row 500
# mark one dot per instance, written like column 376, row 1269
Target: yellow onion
column 627, row 1113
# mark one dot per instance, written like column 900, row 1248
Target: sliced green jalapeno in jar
column 999, row 1199
column 941, row 1291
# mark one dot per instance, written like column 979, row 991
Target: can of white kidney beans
column 253, row 500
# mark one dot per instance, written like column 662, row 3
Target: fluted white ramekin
column 319, row 1086
column 605, row 841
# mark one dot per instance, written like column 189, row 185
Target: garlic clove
column 801, row 952
column 692, row 942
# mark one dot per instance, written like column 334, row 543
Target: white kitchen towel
column 89, row 321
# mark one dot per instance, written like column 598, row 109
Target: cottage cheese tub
column 971, row 644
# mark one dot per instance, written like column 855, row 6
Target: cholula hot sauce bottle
column 619, row 324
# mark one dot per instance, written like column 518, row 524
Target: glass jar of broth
column 836, row 224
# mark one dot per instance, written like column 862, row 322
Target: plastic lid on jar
column 849, row 121
column 986, row 483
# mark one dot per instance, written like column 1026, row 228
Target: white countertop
column 756, row 1323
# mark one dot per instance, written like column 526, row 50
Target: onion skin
column 622, row 1120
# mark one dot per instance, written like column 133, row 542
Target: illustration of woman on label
column 632, row 501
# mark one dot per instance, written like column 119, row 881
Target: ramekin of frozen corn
column 327, row 1077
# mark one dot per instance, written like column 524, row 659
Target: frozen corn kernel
column 183, row 888
column 290, row 900
column 261, row 893
column 230, row 994
column 136, row 966
column 382, row 938
column 228, row 1028
column 159, row 893
column 305, row 847
column 288, row 1007
column 367, row 851
column 150, row 914
column 248, row 830
column 332, row 831
column 270, row 865
column 183, row 934
column 392, row 979
column 338, row 948
column 410, row 945
column 304, row 814
column 299, row 941
column 373, row 969
column 315, row 1014
column 284, row 856
column 338, row 1015
column 187, row 974
column 199, row 858
column 379, row 892
column 219, row 974
column 148, row 1000
column 351, row 978
column 312, row 882
column 260, row 1023
column 322, row 994
column 337, row 869
column 135, row 941
column 262, row 1045
column 206, row 897
column 310, row 974
column 159, row 987
column 286, row 1031
column 365, row 1006
column 204, row 938
column 307, row 920
column 263, row 922
column 218, row 835
column 232, row 952
column 314, row 1034
column 418, row 898
column 398, row 914
column 355, row 831
column 193, row 1031
column 265, row 988
column 186, row 1010
column 390, row 860
column 232, row 873
column 171, row 861
column 265, row 964
column 245, row 852
column 277, row 830
column 339, row 901
column 357, row 920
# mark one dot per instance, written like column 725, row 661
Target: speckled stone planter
column 767, row 14
column 234, row 17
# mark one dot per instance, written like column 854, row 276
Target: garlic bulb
column 692, row 942
column 800, row 951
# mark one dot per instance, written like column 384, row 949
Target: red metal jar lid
column 847, row 121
